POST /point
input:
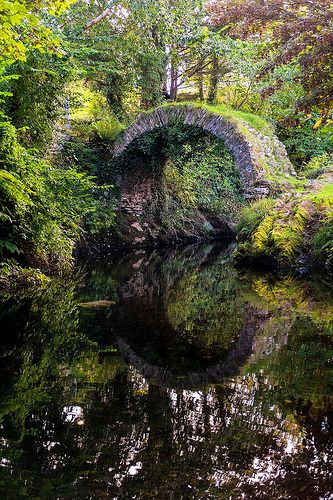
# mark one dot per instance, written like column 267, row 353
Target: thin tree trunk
column 214, row 80
column 173, row 82
column 201, row 83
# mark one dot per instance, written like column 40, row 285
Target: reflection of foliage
column 301, row 369
column 293, row 295
column 298, row 339
column 88, row 369
column 77, row 421
column 204, row 307
column 50, row 339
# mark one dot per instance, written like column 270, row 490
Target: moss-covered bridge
column 258, row 155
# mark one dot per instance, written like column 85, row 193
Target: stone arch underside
column 259, row 157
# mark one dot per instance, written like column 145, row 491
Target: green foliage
column 323, row 243
column 200, row 173
column 18, row 283
column 318, row 166
column 41, row 206
column 252, row 215
column 91, row 116
column 299, row 222
column 279, row 233
column 198, row 176
column 37, row 97
column 305, row 140
column 22, row 27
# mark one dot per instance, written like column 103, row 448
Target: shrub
column 41, row 206
column 306, row 141
column 299, row 223
column 317, row 166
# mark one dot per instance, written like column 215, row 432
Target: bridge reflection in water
column 220, row 387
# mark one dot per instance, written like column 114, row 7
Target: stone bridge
column 259, row 155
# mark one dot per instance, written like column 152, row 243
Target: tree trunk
column 201, row 83
column 214, row 80
column 173, row 80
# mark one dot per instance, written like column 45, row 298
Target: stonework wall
column 258, row 157
column 136, row 197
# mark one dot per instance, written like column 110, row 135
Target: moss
column 279, row 235
column 298, row 224
column 240, row 119
column 258, row 123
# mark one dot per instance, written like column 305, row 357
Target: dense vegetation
column 196, row 188
column 171, row 370
column 74, row 74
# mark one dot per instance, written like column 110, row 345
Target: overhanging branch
column 99, row 18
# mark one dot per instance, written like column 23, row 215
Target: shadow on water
column 168, row 374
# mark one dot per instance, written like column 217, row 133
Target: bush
column 37, row 97
column 306, row 140
column 297, row 225
column 41, row 207
column 317, row 166
column 323, row 243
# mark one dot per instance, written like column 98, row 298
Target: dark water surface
column 168, row 375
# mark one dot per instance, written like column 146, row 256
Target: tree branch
column 193, row 71
column 99, row 18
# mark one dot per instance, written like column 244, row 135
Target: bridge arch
column 258, row 154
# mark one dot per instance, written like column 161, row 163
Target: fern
column 261, row 237
column 251, row 216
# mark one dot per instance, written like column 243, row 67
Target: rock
column 137, row 264
column 208, row 226
column 260, row 191
column 137, row 226
column 97, row 303
column 139, row 240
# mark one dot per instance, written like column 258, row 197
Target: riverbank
column 294, row 231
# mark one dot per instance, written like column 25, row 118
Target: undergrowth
column 41, row 206
column 295, row 227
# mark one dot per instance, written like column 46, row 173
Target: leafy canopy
column 22, row 27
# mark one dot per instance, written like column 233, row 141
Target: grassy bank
column 295, row 230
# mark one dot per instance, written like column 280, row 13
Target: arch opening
column 177, row 183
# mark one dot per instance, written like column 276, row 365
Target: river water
column 168, row 375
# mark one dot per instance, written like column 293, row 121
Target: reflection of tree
column 302, row 368
column 48, row 335
column 78, row 423
column 291, row 293
column 46, row 338
column 140, row 440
